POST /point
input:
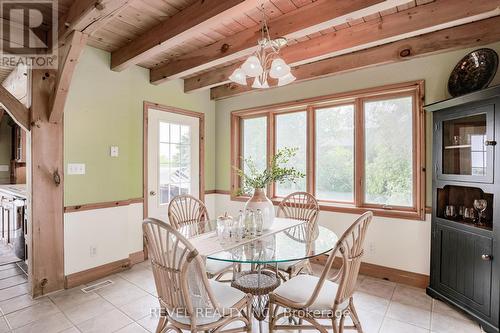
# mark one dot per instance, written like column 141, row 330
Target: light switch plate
column 114, row 151
column 4, row 167
column 76, row 168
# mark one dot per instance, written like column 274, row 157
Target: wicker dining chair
column 186, row 209
column 310, row 298
column 304, row 207
column 188, row 299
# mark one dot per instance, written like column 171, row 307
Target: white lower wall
column 115, row 233
column 395, row 243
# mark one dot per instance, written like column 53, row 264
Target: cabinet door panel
column 463, row 274
column 465, row 144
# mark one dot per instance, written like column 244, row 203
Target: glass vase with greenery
column 256, row 180
column 278, row 171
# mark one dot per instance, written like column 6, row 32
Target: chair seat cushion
column 300, row 288
column 226, row 295
column 214, row 267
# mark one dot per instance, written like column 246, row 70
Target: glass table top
column 288, row 244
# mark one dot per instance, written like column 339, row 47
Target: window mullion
column 311, row 151
column 271, row 148
column 359, row 153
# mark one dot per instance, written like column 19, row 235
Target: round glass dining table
column 256, row 259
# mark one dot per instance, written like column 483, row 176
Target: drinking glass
column 480, row 206
column 470, row 214
column 449, row 211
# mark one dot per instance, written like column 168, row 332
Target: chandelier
column 265, row 62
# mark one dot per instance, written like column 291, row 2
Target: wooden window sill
column 351, row 209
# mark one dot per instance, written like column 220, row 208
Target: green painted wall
column 434, row 69
column 5, row 148
column 104, row 108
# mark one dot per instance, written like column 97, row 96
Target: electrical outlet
column 76, row 168
column 371, row 248
column 93, row 251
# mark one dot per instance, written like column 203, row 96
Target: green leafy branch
column 276, row 172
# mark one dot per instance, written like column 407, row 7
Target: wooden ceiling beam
column 17, row 110
column 69, row 55
column 176, row 29
column 317, row 16
column 416, row 21
column 468, row 35
column 88, row 16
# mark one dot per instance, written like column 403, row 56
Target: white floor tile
column 107, row 322
column 49, row 324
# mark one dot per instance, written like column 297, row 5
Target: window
column 335, row 153
column 388, row 151
column 175, row 161
column 254, row 141
column 359, row 151
column 291, row 131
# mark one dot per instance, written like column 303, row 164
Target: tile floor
column 124, row 306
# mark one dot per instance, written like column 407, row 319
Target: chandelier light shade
column 258, row 85
column 283, row 81
column 239, row 76
column 279, row 68
column 264, row 63
column 252, row 67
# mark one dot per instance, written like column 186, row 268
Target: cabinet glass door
column 467, row 144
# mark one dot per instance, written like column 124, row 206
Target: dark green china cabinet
column 465, row 251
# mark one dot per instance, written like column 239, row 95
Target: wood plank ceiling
column 210, row 38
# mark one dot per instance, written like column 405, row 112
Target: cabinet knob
column 486, row 257
column 490, row 143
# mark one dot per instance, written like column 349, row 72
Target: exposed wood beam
column 317, row 16
column 468, row 35
column 69, row 55
column 47, row 184
column 416, row 21
column 88, row 15
column 200, row 15
column 17, row 110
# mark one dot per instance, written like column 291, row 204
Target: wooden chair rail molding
column 118, row 203
column 100, row 205
column 382, row 272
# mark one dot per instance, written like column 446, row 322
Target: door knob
column 152, row 193
column 490, row 143
column 486, row 257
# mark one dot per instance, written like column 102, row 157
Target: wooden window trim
column 416, row 88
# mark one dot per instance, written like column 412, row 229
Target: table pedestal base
column 258, row 283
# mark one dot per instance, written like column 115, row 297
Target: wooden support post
column 47, row 206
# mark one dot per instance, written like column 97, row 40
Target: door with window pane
column 173, row 159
